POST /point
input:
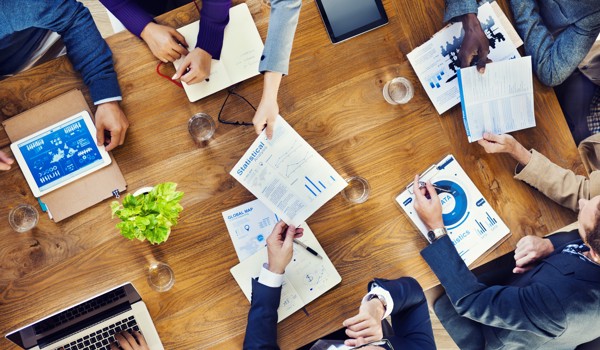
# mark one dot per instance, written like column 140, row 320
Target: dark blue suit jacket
column 555, row 305
column 410, row 316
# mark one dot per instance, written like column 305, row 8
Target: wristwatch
column 380, row 297
column 436, row 234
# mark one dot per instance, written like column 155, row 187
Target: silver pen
column 309, row 249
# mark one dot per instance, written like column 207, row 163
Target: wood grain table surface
column 333, row 98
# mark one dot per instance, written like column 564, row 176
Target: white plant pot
column 142, row 190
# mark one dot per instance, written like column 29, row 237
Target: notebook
column 306, row 277
column 473, row 225
column 240, row 56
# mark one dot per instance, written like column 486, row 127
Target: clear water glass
column 23, row 217
column 160, row 276
column 398, row 91
column 357, row 191
column 201, row 127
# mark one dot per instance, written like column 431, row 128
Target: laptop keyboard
column 80, row 310
column 101, row 339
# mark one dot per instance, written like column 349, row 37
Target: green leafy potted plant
column 149, row 215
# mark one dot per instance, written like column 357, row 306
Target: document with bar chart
column 473, row 225
column 287, row 174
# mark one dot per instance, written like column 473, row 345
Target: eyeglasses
column 383, row 342
column 231, row 91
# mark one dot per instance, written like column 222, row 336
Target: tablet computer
column 345, row 19
column 60, row 154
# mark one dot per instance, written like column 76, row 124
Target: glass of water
column 357, row 190
column 160, row 276
column 23, row 218
column 201, row 127
column 398, row 91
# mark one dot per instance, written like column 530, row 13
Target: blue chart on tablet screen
column 60, row 153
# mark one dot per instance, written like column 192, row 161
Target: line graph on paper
column 293, row 159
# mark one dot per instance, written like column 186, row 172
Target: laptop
column 91, row 324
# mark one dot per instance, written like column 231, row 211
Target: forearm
column 512, row 308
column 272, row 80
column 133, row 17
column 88, row 52
column 553, row 59
column 561, row 185
column 261, row 330
column 456, row 8
column 214, row 17
column 280, row 36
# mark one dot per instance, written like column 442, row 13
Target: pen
column 309, row 249
column 438, row 189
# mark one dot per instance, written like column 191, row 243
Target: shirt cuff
column 110, row 99
column 377, row 290
column 270, row 279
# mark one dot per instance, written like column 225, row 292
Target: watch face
column 431, row 236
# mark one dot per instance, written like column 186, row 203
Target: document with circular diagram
column 473, row 225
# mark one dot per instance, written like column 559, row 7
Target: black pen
column 439, row 189
column 309, row 249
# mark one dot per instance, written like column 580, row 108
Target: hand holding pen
column 280, row 246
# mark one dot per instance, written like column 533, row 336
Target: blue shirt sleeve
column 88, row 52
column 553, row 58
column 280, row 36
column 455, row 8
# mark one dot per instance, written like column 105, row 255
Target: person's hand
column 265, row 116
column 429, row 209
column 280, row 246
column 268, row 109
column 366, row 326
column 531, row 249
column 195, row 67
column 475, row 43
column 166, row 43
column 505, row 144
column 110, row 118
column 5, row 161
column 130, row 342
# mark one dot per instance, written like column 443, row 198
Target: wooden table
column 333, row 98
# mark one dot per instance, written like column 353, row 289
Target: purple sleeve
column 214, row 16
column 133, row 17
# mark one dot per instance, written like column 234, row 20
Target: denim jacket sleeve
column 280, row 36
column 553, row 58
column 88, row 52
column 455, row 8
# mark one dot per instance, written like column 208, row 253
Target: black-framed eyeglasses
column 231, row 91
column 383, row 342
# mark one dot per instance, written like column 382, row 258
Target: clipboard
column 473, row 225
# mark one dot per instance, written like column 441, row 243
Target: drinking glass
column 398, row 91
column 160, row 276
column 23, row 217
column 201, row 127
column 357, row 190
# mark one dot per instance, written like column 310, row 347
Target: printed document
column 473, row 225
column 287, row 174
column 249, row 225
column 240, row 56
column 306, row 277
column 499, row 101
column 436, row 61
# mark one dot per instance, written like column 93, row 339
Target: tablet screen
column 60, row 153
column 345, row 19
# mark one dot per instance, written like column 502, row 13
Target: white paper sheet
column 434, row 61
column 287, row 174
column 499, row 101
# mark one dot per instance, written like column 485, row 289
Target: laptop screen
column 75, row 318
